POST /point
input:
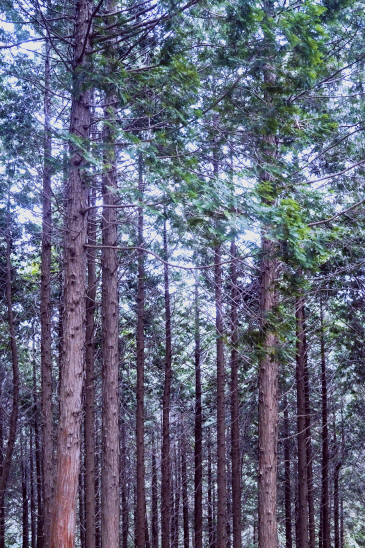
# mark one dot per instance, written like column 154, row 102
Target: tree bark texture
column 63, row 521
column 301, row 426
column 325, row 498
column 268, row 404
column 221, row 427
column 287, row 482
column 154, row 512
column 110, row 341
column 165, row 453
column 311, row 518
column 13, row 424
column 46, row 326
column 140, row 526
column 235, row 433
column 89, row 424
column 198, row 432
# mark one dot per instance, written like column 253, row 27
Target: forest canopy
column 182, row 274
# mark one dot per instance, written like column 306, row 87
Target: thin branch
column 337, row 214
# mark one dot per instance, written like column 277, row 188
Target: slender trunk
column 33, row 523
column 146, row 528
column 268, row 405
column 124, row 490
column 165, row 454
column 325, row 499
column 176, row 502
column 154, row 513
column 210, row 501
column 312, row 525
column 46, row 337
column 82, row 508
column 198, row 448
column 89, row 421
column 342, row 526
column 38, row 456
column 336, row 505
column 287, row 486
column 6, row 461
column 110, row 337
column 235, row 433
column 25, row 528
column 140, row 526
column 301, row 424
column 185, row 503
column 221, row 427
column 63, row 520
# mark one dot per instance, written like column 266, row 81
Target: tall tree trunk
column 33, row 523
column 124, row 487
column 63, row 521
column 38, row 457
column 140, row 526
column 185, row 502
column 336, row 504
column 25, row 528
column 221, row 427
column 165, row 453
column 325, row 498
column 268, row 404
column 7, row 458
column 235, row 433
column 311, row 517
column 210, row 501
column 198, row 432
column 89, row 421
column 301, row 424
column 154, row 513
column 287, row 486
column 110, row 341
column 46, row 337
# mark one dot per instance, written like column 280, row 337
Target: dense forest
column 182, row 275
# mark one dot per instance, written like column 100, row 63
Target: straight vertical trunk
column 7, row 458
column 46, row 337
column 287, row 486
column 325, row 499
column 63, row 520
column 33, row 529
column 312, row 525
column 82, row 508
column 198, row 432
column 185, row 503
column 210, row 501
column 124, row 490
column 336, row 504
column 110, row 341
column 154, row 512
column 176, row 502
column 89, row 422
column 301, row 424
column 38, row 459
column 268, row 405
column 165, row 453
column 235, row 433
column 221, row 427
column 140, row 525
column 25, row 531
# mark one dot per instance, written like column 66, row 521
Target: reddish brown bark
column 221, row 428
column 325, row 498
column 154, row 513
column 198, row 432
column 110, row 342
column 7, row 457
column 268, row 404
column 311, row 517
column 235, row 434
column 63, row 521
column 165, row 453
column 140, row 517
column 301, row 425
column 46, row 337
column 287, row 483
column 89, row 423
